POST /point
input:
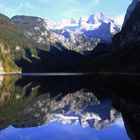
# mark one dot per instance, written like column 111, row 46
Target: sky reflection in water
column 59, row 131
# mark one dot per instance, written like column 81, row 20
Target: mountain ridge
column 72, row 35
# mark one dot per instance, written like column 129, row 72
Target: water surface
column 68, row 107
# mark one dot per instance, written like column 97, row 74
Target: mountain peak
column 68, row 21
column 95, row 19
column 83, row 20
column 99, row 17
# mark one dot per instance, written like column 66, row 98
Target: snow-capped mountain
column 99, row 26
column 78, row 36
column 95, row 21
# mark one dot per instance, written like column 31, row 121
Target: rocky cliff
column 131, row 28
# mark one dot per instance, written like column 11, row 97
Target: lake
column 65, row 107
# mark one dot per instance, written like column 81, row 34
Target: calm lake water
column 73, row 107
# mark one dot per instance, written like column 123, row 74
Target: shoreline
column 68, row 73
column 10, row 73
column 44, row 74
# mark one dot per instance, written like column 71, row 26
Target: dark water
column 69, row 107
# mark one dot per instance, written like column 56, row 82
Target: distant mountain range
column 35, row 44
column 78, row 36
column 94, row 43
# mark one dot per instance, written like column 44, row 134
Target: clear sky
column 60, row 9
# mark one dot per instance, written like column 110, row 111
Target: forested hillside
column 13, row 44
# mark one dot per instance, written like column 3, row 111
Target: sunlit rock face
column 1, row 79
column 1, row 68
column 79, row 107
column 131, row 28
column 34, row 27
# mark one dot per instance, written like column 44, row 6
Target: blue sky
column 63, row 9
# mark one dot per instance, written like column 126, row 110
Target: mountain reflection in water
column 71, row 107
